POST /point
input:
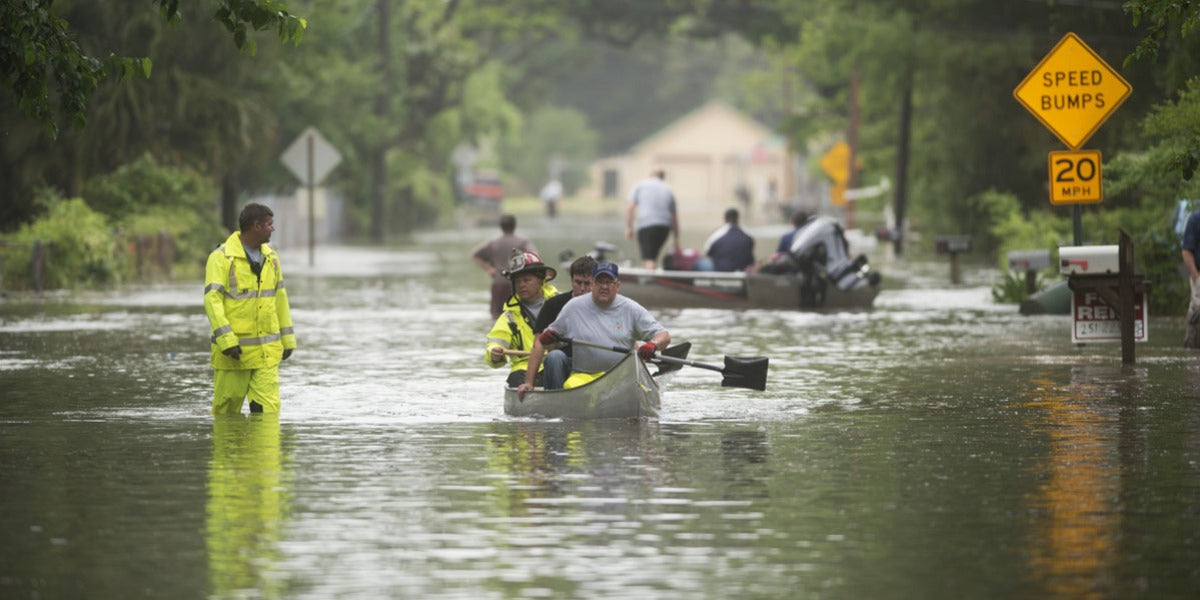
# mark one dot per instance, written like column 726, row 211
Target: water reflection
column 1075, row 523
column 744, row 462
column 535, row 464
column 247, row 506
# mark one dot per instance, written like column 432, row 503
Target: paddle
column 677, row 351
column 743, row 372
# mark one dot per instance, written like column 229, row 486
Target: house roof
column 712, row 110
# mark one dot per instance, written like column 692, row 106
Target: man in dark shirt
column 581, row 283
column 730, row 248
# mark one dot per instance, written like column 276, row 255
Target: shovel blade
column 745, row 372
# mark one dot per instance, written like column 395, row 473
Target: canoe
column 708, row 289
column 628, row 391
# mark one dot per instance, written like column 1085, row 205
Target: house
column 707, row 155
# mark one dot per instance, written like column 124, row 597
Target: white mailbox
column 1089, row 260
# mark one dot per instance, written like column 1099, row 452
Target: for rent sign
column 1072, row 91
column 1096, row 321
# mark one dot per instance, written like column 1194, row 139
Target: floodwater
column 938, row 446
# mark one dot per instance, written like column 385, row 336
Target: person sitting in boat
column 581, row 283
column 602, row 317
column 799, row 219
column 512, row 334
column 728, row 248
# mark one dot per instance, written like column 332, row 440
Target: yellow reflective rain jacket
column 246, row 309
column 514, row 332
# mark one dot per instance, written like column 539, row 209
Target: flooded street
column 939, row 445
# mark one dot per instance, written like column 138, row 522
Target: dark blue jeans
column 556, row 367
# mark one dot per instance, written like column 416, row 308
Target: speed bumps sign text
column 1072, row 91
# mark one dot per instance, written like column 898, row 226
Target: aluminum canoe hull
column 625, row 392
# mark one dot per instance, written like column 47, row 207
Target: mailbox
column 952, row 244
column 1029, row 260
column 1089, row 260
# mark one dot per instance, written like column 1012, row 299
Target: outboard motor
column 820, row 248
column 602, row 252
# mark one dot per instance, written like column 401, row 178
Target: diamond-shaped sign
column 311, row 157
column 1072, row 91
column 836, row 163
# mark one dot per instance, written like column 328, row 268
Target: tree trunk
column 902, row 150
column 382, row 99
column 229, row 199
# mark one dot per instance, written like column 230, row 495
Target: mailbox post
column 1107, row 273
column 953, row 245
column 1030, row 261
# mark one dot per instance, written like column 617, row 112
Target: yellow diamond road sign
column 1072, row 91
column 836, row 162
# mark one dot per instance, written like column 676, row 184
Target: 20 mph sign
column 1072, row 91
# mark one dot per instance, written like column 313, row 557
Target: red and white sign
column 1095, row 321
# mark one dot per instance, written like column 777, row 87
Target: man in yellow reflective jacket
column 511, row 336
column 248, row 313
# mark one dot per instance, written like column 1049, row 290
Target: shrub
column 81, row 249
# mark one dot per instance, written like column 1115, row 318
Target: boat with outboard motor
column 816, row 274
column 701, row 289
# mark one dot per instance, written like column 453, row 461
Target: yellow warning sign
column 1072, row 91
column 836, row 163
column 1075, row 177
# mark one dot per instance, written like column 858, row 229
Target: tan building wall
column 706, row 155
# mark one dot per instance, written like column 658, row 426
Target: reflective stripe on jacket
column 502, row 333
column 246, row 309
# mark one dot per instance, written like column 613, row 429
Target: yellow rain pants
column 232, row 386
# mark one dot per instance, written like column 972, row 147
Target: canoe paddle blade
column 679, row 351
column 745, row 372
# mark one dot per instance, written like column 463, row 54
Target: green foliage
column 37, row 45
column 550, row 134
column 81, row 248
column 1156, row 246
column 145, row 184
column 1011, row 288
column 144, row 198
column 1160, row 18
column 169, row 212
column 1176, row 126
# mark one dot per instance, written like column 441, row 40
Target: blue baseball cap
column 604, row 268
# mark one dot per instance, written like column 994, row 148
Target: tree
column 40, row 54
column 1161, row 18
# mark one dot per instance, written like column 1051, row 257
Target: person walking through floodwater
column 492, row 256
column 248, row 316
column 651, row 214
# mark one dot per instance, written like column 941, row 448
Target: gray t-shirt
column 655, row 203
column 618, row 325
column 254, row 255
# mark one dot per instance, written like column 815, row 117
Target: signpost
column 311, row 157
column 1072, row 91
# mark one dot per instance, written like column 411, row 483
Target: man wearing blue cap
column 603, row 318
